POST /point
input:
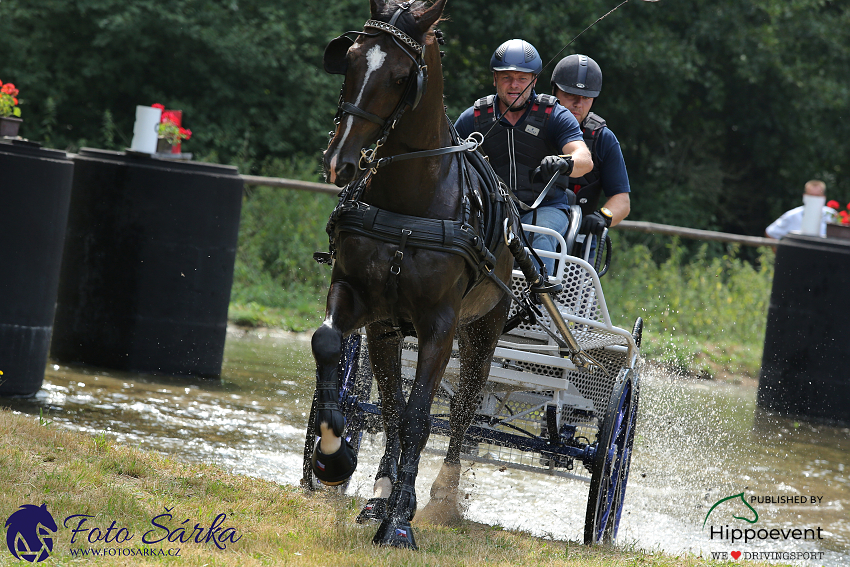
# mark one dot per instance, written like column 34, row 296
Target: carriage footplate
column 375, row 510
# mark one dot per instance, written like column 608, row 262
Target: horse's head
column 384, row 75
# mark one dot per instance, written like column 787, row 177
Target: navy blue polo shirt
column 612, row 167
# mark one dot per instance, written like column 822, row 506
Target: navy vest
column 515, row 152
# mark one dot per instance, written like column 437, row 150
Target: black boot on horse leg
column 334, row 460
column 395, row 530
column 375, row 509
column 385, row 353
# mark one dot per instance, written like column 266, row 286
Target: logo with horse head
column 733, row 497
column 29, row 533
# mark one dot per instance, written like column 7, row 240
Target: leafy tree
column 724, row 109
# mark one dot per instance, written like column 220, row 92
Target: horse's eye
column 401, row 81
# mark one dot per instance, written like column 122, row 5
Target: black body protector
column 515, row 152
column 589, row 187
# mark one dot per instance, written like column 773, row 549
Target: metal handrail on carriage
column 539, row 411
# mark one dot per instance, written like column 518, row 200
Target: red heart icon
column 735, row 554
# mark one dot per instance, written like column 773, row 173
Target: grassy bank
column 704, row 307
column 76, row 474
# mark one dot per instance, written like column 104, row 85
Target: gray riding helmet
column 516, row 55
column 578, row 74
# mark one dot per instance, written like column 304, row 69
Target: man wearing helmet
column 577, row 81
column 523, row 130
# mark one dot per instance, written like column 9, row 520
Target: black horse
column 419, row 249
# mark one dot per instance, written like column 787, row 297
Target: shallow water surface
column 697, row 443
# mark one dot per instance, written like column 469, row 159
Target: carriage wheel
column 354, row 363
column 612, row 461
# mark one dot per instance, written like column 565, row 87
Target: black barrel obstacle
column 35, row 187
column 806, row 361
column 148, row 264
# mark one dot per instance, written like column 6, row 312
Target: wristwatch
column 608, row 215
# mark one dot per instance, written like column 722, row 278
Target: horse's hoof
column 374, row 511
column 335, row 468
column 395, row 534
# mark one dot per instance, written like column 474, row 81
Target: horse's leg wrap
column 327, row 348
column 376, row 508
column 387, row 468
column 374, row 511
column 402, row 501
column 395, row 530
column 336, row 468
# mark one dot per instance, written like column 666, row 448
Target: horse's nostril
column 344, row 174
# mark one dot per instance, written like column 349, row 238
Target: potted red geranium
column 170, row 131
column 10, row 113
column 839, row 225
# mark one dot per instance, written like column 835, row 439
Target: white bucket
column 812, row 213
column 146, row 129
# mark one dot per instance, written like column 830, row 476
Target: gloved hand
column 551, row 164
column 595, row 223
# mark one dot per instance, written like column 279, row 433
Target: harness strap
column 357, row 111
column 395, row 271
column 439, row 235
column 381, row 162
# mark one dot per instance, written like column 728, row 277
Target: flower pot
column 163, row 147
column 838, row 230
column 9, row 126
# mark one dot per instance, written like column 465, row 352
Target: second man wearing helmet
column 577, row 81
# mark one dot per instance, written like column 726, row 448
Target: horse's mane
column 406, row 22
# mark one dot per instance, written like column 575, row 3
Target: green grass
column 73, row 473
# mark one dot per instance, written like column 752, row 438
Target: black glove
column 551, row 164
column 595, row 223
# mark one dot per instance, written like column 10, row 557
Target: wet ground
column 697, row 444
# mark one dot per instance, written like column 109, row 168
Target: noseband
column 334, row 62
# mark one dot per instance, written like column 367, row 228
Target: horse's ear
column 377, row 7
column 431, row 15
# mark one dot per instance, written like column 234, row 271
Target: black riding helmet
column 579, row 75
column 516, row 55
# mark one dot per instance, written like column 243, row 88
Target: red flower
column 159, row 106
column 9, row 89
column 169, row 116
column 833, row 204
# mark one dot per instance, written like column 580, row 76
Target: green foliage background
column 723, row 109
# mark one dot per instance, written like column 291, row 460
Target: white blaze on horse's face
column 375, row 58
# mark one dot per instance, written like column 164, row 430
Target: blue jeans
column 547, row 217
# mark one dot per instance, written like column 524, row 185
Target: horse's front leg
column 385, row 355
column 435, row 348
column 333, row 460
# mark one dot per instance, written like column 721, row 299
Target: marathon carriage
column 424, row 248
column 539, row 411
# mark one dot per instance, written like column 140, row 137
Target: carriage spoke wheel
column 354, row 362
column 611, row 464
